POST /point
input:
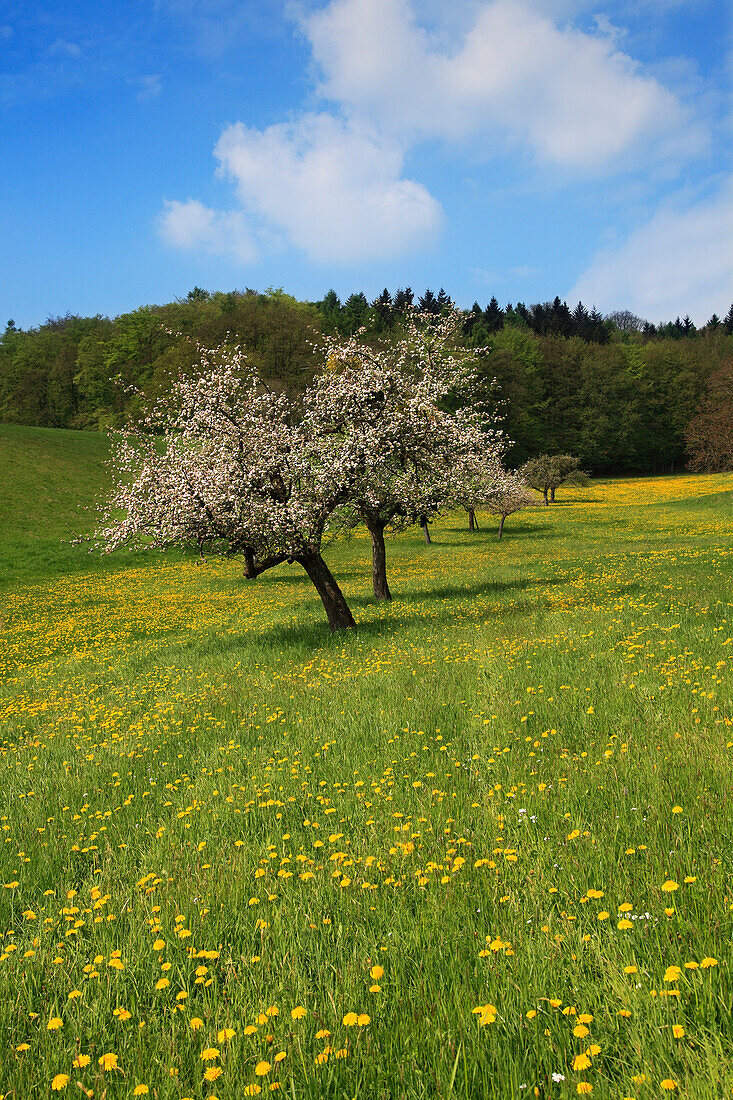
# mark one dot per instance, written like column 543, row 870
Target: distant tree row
column 553, row 318
column 621, row 402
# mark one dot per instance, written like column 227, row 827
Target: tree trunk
column 253, row 568
column 379, row 560
column 337, row 609
column 472, row 525
column 424, row 525
column 552, row 495
column 501, row 526
column 547, row 503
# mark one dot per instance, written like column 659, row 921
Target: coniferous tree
column 403, row 298
column 356, row 309
column 428, row 303
column 493, row 316
column 382, row 308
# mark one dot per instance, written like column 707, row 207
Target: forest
column 616, row 391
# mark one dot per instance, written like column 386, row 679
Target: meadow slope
column 480, row 847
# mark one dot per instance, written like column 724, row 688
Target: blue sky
column 522, row 148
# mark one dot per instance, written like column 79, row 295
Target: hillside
column 48, row 477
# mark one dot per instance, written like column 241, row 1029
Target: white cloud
column 191, row 225
column 62, row 48
column 332, row 189
column 681, row 261
column 322, row 186
column 570, row 96
column 149, row 87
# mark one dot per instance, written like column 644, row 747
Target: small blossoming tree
column 223, row 460
column 388, row 407
column 508, row 496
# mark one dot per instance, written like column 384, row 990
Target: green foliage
column 619, row 394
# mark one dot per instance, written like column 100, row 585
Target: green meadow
column 479, row 847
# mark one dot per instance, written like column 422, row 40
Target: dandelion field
column 479, row 847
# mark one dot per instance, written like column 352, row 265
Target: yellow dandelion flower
column 140, row 1090
column 670, row 886
column 54, row 1023
column 262, row 1069
column 581, row 1061
column 60, row 1082
column 668, row 1084
column 162, row 983
column 672, row 973
column 706, row 963
column 376, row 972
column 580, row 1031
column 678, row 1031
column 298, row 1012
column 209, row 1054
column 363, row 1019
column 82, row 1061
column 252, row 1090
column 195, row 1023
column 108, row 1062
column 212, row 1073
column 583, row 1088
column 350, row 1019
column 225, row 1034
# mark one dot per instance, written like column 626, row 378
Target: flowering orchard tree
column 478, row 476
column 509, row 495
column 224, row 461
column 387, row 408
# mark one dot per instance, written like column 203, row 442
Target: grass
column 454, row 853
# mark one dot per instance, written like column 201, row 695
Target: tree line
column 614, row 391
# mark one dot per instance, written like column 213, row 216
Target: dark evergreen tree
column 382, row 308
column 728, row 322
column 403, row 298
column 428, row 303
column 443, row 302
column 356, row 309
column 493, row 316
column 331, row 310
